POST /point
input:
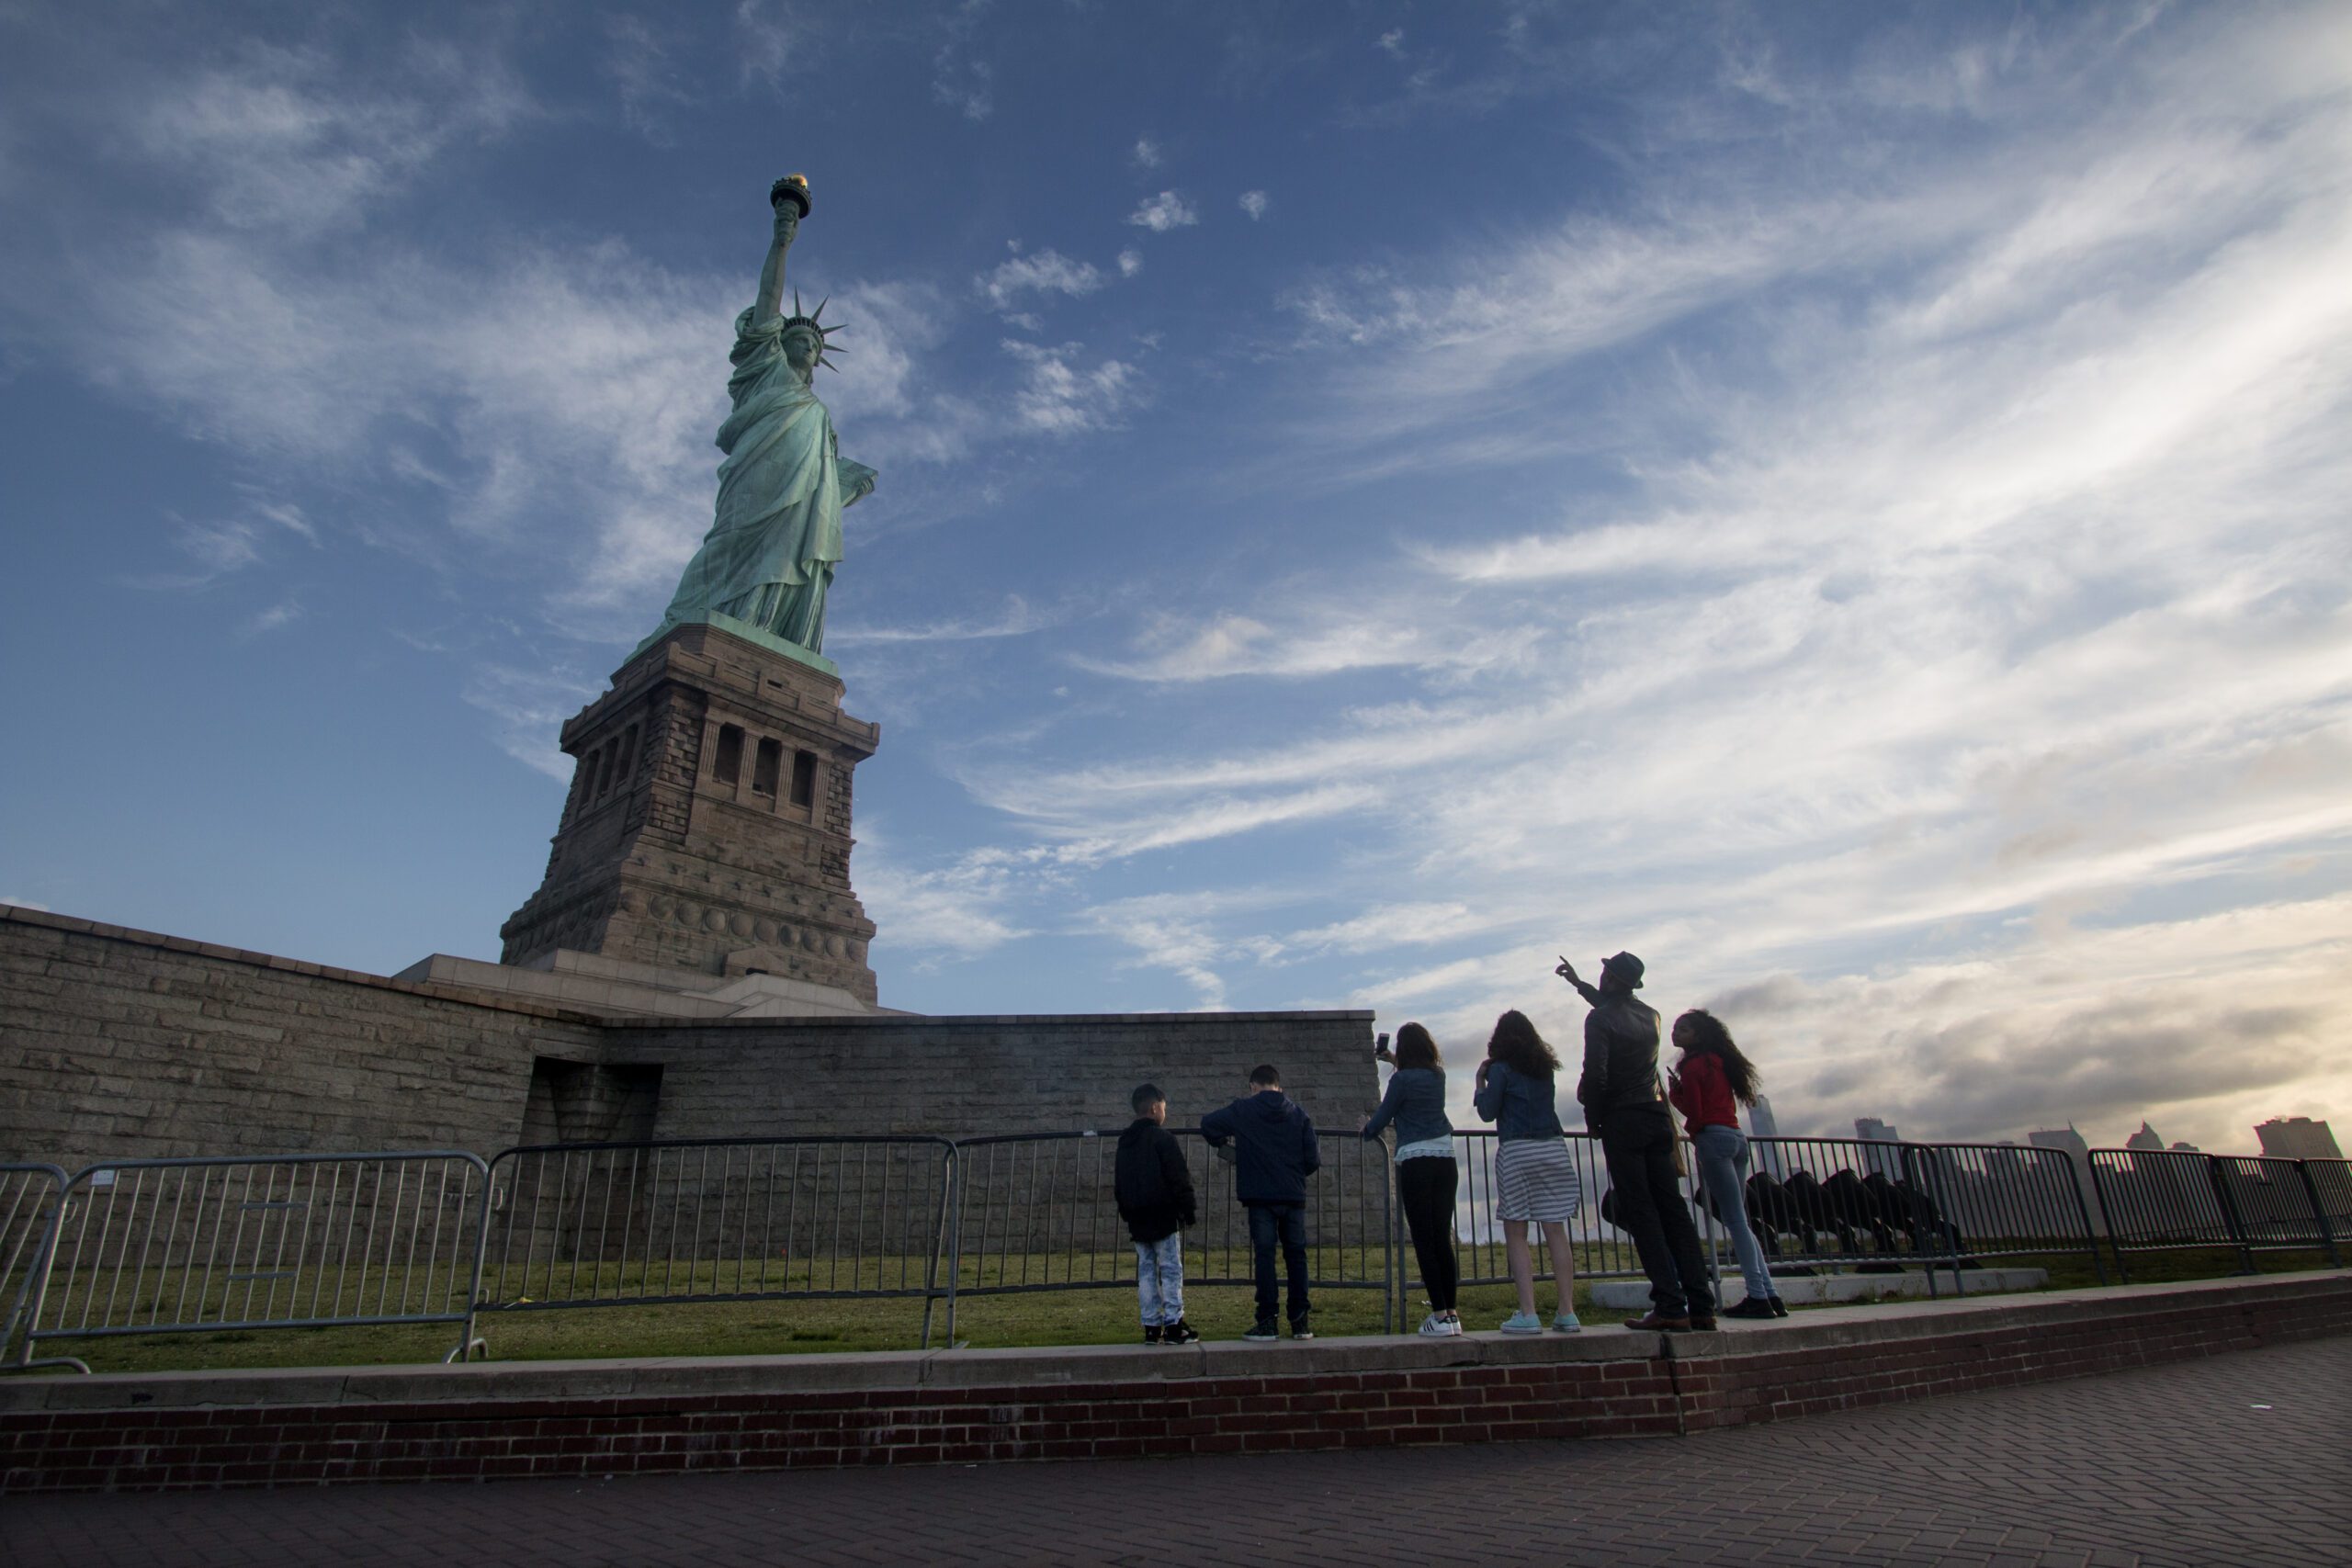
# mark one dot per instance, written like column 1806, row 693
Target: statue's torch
column 793, row 188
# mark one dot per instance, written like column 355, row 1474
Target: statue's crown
column 824, row 334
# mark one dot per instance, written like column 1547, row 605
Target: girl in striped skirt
column 1536, row 1177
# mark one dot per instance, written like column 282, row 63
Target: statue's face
column 801, row 348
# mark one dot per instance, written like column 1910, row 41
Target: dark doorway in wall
column 591, row 1102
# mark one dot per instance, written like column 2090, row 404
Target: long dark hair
column 1517, row 1046
column 1710, row 1038
column 1416, row 1049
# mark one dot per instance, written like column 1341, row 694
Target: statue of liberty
column 769, row 557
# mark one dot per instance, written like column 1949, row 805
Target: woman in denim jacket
column 1536, row 1177
column 1426, row 1172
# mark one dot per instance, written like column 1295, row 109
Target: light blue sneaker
column 1566, row 1324
column 1523, row 1323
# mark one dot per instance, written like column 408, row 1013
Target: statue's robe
column 769, row 557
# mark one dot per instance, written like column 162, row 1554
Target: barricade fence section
column 1601, row 1250
column 642, row 1223
column 1976, row 1201
column 1842, row 1203
column 1038, row 1212
column 286, row 1241
column 231, row 1243
column 31, row 1197
column 2329, row 1182
column 2162, row 1200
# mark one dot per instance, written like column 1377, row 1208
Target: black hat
column 1626, row 967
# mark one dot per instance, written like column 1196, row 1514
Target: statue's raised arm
column 768, row 559
column 789, row 197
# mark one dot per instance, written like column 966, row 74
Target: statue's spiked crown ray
column 824, row 334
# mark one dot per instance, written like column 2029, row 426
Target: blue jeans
column 1287, row 1224
column 1160, row 1280
column 1723, row 1173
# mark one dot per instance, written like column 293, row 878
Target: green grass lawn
column 788, row 1324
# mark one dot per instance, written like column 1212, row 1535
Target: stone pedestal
column 709, row 823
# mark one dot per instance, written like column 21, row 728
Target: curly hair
column 1708, row 1037
column 1517, row 1046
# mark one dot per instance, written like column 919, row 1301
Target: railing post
column 1392, row 1300
column 2224, row 1191
column 1914, row 1168
column 34, row 1294
column 2319, row 1214
column 952, row 1211
column 466, row 1337
column 2107, row 1216
column 939, row 1245
column 2090, row 1231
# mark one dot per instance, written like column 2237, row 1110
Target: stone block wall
column 126, row 1044
column 964, row 1076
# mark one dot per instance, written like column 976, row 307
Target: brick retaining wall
column 488, row 1421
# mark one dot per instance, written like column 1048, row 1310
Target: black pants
column 1638, row 1143
column 1425, row 1186
column 1285, row 1223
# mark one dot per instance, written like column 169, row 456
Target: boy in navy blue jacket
column 1153, row 1190
column 1275, row 1154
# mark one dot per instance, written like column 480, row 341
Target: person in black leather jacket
column 1625, row 1109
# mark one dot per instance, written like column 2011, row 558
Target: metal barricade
column 2329, row 1182
column 1481, row 1253
column 1603, row 1250
column 240, row 1242
column 716, row 1220
column 1972, row 1202
column 2175, row 1201
column 1854, row 1204
column 32, row 1199
column 1036, row 1212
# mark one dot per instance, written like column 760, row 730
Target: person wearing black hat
column 1625, row 1109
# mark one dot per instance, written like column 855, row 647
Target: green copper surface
column 768, row 560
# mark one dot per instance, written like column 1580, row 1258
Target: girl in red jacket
column 1708, row 1085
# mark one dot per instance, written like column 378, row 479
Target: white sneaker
column 1438, row 1327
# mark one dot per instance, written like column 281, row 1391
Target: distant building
column 2079, row 1153
column 1770, row 1159
column 2147, row 1137
column 1885, row 1162
column 2297, row 1137
column 2187, row 1148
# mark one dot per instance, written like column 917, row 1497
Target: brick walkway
column 2178, row 1464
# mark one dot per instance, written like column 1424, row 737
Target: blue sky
column 1849, row 501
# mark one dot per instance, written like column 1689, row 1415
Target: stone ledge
column 887, row 1371
column 193, row 1432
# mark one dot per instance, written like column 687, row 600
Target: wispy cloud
column 282, row 613
column 960, row 79
column 1960, row 639
column 1017, row 618
column 1254, row 203
column 1044, row 272
column 1146, row 153
column 1165, row 211
column 1061, row 395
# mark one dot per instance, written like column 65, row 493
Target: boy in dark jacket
column 1155, row 1194
column 1275, row 1154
